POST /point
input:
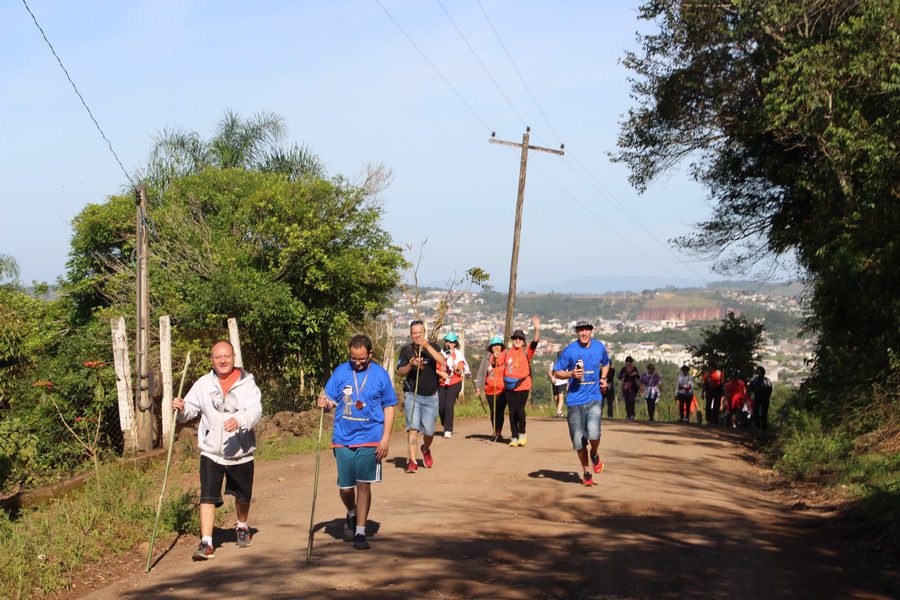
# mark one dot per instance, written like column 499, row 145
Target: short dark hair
column 761, row 370
column 361, row 341
column 651, row 366
column 629, row 359
column 416, row 322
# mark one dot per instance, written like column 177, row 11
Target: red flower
column 79, row 419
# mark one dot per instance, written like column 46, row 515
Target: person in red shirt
column 517, row 380
column 735, row 398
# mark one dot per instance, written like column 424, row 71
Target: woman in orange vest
column 490, row 382
column 517, row 380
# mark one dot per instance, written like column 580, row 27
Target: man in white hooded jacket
column 229, row 404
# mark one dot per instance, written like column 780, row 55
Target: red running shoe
column 427, row 459
column 588, row 479
column 598, row 464
column 411, row 466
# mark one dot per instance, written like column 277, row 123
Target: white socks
column 361, row 530
column 207, row 539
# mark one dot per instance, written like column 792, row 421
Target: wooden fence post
column 235, row 339
column 389, row 362
column 123, row 385
column 165, row 366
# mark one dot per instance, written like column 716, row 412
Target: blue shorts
column 357, row 465
column 584, row 423
column 421, row 415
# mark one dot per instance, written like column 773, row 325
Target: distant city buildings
column 785, row 360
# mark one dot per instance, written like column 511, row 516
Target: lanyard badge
column 348, row 400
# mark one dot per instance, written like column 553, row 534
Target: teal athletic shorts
column 357, row 465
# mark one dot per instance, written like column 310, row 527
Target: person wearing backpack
column 761, row 388
column 517, row 379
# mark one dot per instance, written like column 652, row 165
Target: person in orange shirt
column 517, row 380
column 489, row 381
column 735, row 398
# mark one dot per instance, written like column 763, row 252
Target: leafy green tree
column 733, row 346
column 788, row 111
column 296, row 261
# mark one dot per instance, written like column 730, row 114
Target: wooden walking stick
column 312, row 512
column 162, row 493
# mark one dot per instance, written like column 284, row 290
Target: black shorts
column 559, row 388
column 238, row 481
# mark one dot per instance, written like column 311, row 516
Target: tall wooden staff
column 162, row 493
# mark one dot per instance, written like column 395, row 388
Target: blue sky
column 354, row 89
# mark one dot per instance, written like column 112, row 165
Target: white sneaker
column 448, row 434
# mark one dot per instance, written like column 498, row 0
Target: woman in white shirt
column 684, row 393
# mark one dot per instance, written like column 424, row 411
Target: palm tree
column 9, row 269
column 237, row 143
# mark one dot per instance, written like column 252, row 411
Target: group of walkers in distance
column 735, row 403
column 361, row 394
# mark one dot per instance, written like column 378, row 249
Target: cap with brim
column 451, row 337
column 583, row 325
column 496, row 341
column 518, row 333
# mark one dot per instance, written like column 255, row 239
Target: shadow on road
column 563, row 476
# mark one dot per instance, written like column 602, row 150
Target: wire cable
column 78, row 93
column 433, row 66
column 598, row 185
column 605, row 222
column 481, row 63
column 519, row 73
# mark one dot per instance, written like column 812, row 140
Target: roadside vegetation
column 786, row 111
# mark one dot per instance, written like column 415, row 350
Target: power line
column 481, row 63
column 78, row 93
column 598, row 185
column 590, row 212
column 519, row 73
column 432, row 65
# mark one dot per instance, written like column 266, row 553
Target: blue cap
column 451, row 337
column 495, row 341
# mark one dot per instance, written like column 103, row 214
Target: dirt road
column 679, row 512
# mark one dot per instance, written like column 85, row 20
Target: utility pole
column 514, row 262
column 144, row 412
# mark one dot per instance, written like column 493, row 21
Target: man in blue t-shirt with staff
column 585, row 364
column 364, row 397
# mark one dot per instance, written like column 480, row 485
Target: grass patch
column 806, row 448
column 276, row 448
column 44, row 548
